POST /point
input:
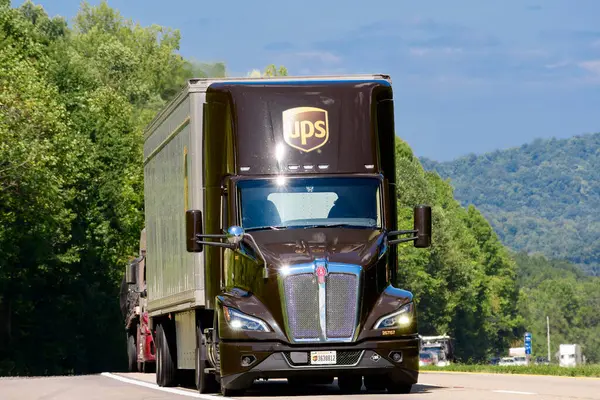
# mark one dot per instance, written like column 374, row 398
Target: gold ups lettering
column 305, row 128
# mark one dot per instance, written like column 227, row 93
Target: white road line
column 163, row 389
column 511, row 392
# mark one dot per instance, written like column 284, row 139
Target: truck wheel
column 166, row 371
column 131, row 354
column 399, row 388
column 350, row 384
column 205, row 381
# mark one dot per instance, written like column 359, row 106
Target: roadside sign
column 528, row 343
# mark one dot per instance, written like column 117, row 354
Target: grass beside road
column 552, row 370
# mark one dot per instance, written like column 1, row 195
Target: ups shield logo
column 305, row 128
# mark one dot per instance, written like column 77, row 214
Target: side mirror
column 193, row 228
column 235, row 234
column 131, row 273
column 422, row 226
column 422, row 229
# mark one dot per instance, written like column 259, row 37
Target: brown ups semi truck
column 271, row 235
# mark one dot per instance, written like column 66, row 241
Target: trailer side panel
column 174, row 282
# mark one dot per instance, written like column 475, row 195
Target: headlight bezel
column 407, row 309
column 239, row 321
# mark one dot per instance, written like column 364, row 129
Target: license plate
column 323, row 357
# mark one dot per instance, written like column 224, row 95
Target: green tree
column 73, row 105
column 464, row 284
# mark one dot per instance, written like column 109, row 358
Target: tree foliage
column 541, row 197
column 465, row 283
column 73, row 103
column 571, row 300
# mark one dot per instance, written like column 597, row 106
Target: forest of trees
column 74, row 99
column 540, row 197
column 566, row 295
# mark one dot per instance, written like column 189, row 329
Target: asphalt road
column 431, row 386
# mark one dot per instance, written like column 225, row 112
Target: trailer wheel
column 205, row 381
column 131, row 354
column 166, row 370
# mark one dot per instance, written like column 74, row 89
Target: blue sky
column 469, row 76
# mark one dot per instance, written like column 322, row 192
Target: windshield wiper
column 260, row 228
column 336, row 226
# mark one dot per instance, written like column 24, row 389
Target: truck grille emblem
column 321, row 273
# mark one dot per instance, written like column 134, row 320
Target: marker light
column 240, row 321
column 398, row 319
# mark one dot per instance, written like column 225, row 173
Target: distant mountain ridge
column 542, row 197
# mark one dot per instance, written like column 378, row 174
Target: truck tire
column 205, row 381
column 166, row 369
column 350, row 383
column 131, row 354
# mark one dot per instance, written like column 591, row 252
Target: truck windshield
column 310, row 202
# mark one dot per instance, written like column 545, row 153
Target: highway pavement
column 443, row 385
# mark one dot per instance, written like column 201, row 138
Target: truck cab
column 282, row 192
column 133, row 300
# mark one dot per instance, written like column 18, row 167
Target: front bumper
column 274, row 360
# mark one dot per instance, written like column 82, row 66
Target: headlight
column 401, row 318
column 239, row 321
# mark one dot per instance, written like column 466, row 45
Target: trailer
column 570, row 355
column 270, row 209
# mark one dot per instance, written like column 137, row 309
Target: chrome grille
column 306, row 320
column 341, row 305
column 302, row 294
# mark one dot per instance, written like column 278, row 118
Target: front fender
column 250, row 305
column 390, row 301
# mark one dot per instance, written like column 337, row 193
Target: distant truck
column 442, row 346
column 270, row 207
column 516, row 352
column 141, row 352
column 570, row 355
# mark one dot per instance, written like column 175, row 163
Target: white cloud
column 559, row 64
column 321, row 56
column 592, row 66
column 425, row 51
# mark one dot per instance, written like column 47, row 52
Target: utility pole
column 548, row 325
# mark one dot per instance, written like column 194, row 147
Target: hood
column 344, row 245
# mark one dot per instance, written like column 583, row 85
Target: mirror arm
column 403, row 240
column 217, row 244
column 214, row 236
column 265, row 269
column 211, row 235
column 395, row 233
